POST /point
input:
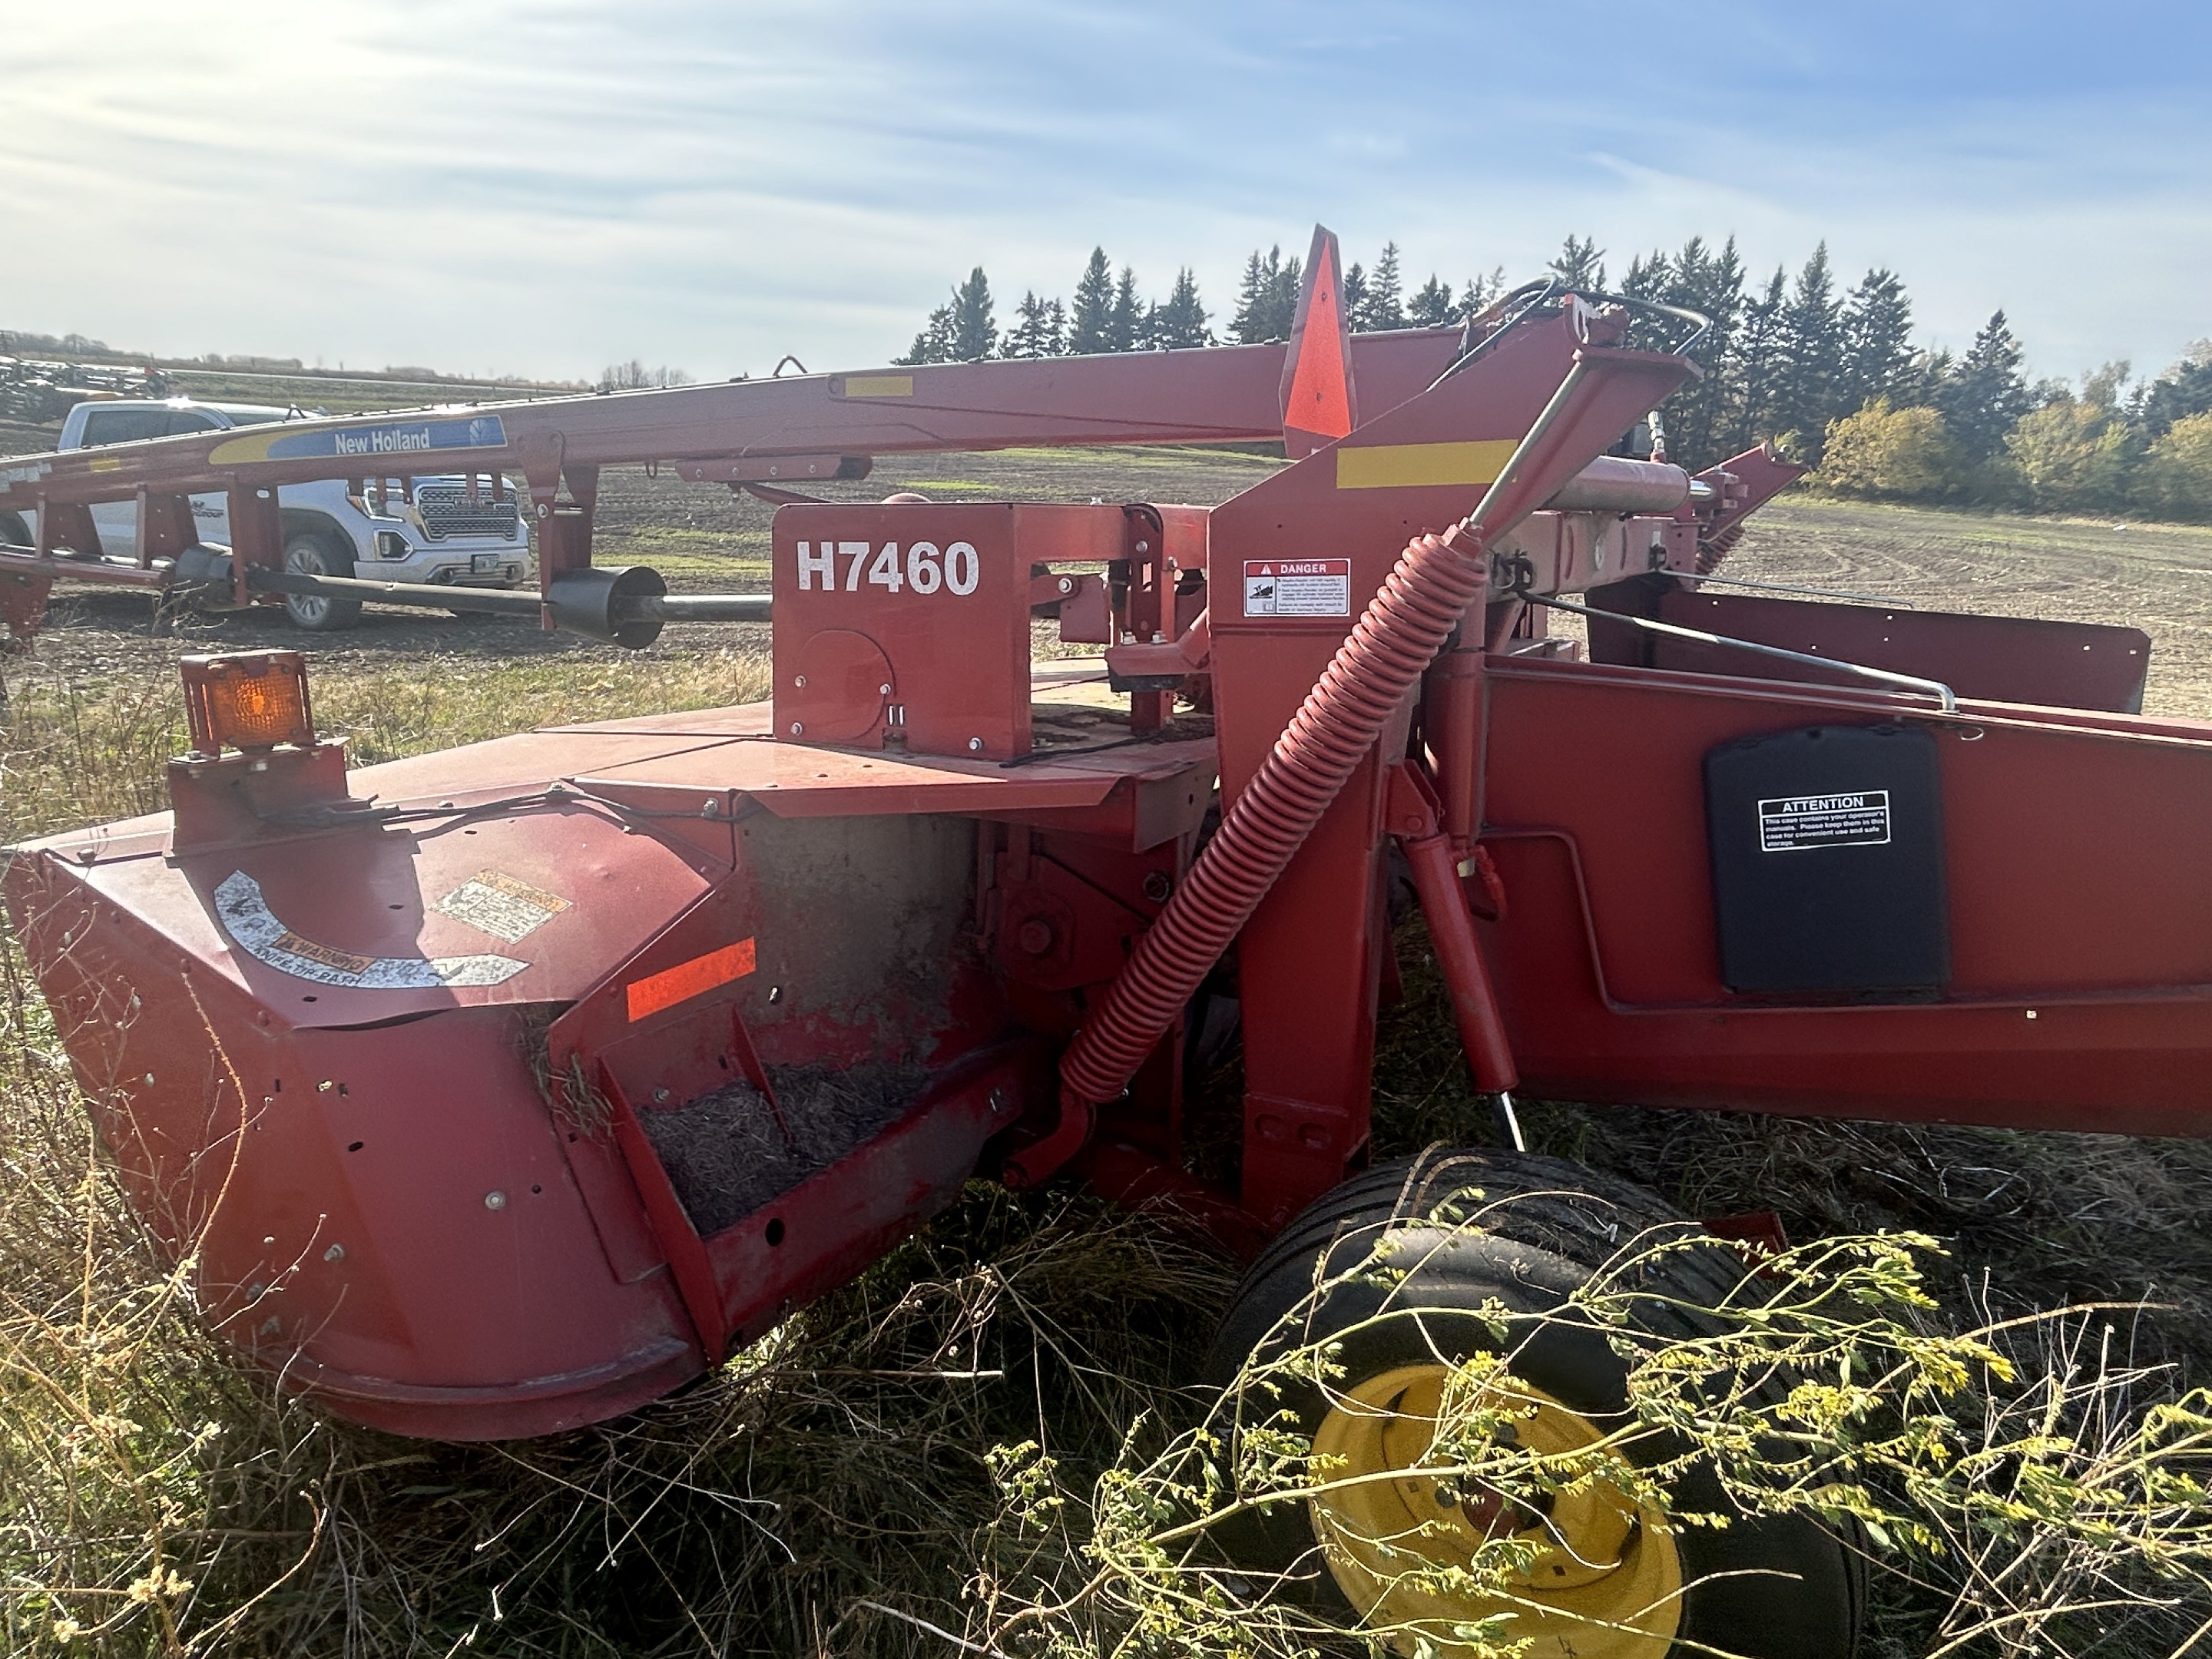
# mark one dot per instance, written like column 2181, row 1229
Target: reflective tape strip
column 1395, row 466
column 879, row 386
column 687, row 980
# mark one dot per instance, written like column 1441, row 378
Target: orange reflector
column 1319, row 400
column 255, row 700
column 687, row 980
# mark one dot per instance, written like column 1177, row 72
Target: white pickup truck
column 434, row 534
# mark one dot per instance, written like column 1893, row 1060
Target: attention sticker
column 1297, row 587
column 1792, row 823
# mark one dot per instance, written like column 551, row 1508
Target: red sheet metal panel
column 2080, row 913
column 357, row 926
column 387, row 1214
column 907, row 624
column 2068, row 665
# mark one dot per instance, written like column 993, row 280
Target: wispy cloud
column 500, row 185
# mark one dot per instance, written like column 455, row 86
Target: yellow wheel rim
column 1605, row 1583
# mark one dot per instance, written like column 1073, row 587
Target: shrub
column 1893, row 454
column 2175, row 481
column 2071, row 456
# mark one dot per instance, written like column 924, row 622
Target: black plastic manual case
column 1827, row 851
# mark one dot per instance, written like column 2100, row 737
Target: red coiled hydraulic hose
column 1389, row 649
column 1397, row 636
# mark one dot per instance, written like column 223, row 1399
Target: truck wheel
column 15, row 530
column 308, row 553
column 1607, row 1585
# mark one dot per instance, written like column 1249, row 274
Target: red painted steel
column 2081, row 1002
column 1218, row 394
column 1309, row 957
column 2068, row 665
column 909, row 622
column 1414, row 818
column 411, row 1060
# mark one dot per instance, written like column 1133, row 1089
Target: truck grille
column 447, row 511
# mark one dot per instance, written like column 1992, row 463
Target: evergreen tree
column 1756, row 367
column 1711, row 284
column 1810, row 341
column 1921, row 381
column 1037, row 331
column 1984, row 394
column 1430, row 306
column 1647, row 279
column 1581, row 265
column 1269, row 302
column 1091, row 318
column 2182, row 391
column 974, row 333
column 1283, row 299
column 1877, row 341
column 1181, row 321
column 1125, row 323
column 1252, row 297
column 934, row 343
column 1385, row 299
column 1481, row 292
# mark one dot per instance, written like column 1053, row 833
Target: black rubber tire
column 1807, row 1598
column 311, row 552
column 15, row 530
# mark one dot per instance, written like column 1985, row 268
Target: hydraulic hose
column 1398, row 636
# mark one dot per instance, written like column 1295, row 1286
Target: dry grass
column 155, row 1498
column 76, row 751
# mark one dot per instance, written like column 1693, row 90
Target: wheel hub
column 1605, row 1578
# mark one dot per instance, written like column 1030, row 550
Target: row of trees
column 1801, row 359
column 2099, row 451
column 1107, row 313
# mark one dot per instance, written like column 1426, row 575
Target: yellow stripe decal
column 105, row 464
column 879, row 386
column 1398, row 466
column 229, row 453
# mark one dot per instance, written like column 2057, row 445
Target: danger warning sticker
column 1297, row 587
column 1791, row 824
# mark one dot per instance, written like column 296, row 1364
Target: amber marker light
column 252, row 700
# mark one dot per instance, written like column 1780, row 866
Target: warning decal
column 1297, row 587
column 248, row 919
column 1792, row 823
column 509, row 910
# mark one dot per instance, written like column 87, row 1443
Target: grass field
column 831, row 1487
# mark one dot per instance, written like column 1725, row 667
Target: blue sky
column 544, row 188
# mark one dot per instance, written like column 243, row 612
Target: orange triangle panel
column 1321, row 394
